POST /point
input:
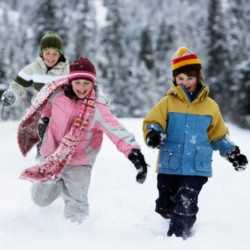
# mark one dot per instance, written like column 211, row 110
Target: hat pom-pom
column 181, row 51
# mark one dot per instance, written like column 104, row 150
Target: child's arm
column 231, row 152
column 118, row 134
column 122, row 138
column 154, row 124
column 218, row 134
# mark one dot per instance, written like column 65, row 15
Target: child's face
column 50, row 56
column 189, row 82
column 81, row 87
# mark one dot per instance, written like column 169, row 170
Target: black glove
column 238, row 160
column 42, row 126
column 137, row 158
column 8, row 98
column 153, row 138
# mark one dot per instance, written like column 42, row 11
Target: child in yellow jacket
column 186, row 126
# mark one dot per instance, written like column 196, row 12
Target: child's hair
column 189, row 70
column 68, row 91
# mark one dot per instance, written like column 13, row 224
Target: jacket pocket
column 170, row 157
column 203, row 158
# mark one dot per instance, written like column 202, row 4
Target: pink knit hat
column 82, row 68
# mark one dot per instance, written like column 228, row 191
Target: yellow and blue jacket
column 193, row 130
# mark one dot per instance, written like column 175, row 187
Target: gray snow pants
column 72, row 185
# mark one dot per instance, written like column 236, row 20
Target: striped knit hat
column 183, row 59
column 82, row 68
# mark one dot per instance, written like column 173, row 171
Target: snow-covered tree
column 114, row 65
column 239, row 45
column 163, row 53
column 85, row 29
column 217, row 52
column 146, row 49
column 44, row 19
column 133, row 44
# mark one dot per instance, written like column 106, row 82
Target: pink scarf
column 27, row 135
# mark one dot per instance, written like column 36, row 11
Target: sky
column 121, row 210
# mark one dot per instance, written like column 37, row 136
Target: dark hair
column 68, row 91
column 190, row 70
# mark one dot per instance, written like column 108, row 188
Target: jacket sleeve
column 224, row 145
column 156, row 118
column 35, row 76
column 24, row 77
column 218, row 134
column 17, row 90
column 20, row 84
column 117, row 133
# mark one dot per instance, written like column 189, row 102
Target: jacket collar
column 179, row 92
column 60, row 65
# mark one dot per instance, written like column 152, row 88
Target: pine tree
column 45, row 19
column 85, row 29
column 3, row 85
column 217, row 54
column 239, row 45
column 164, row 50
column 133, row 46
column 114, row 65
column 241, row 112
column 146, row 51
column 63, row 19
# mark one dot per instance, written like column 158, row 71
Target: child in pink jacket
column 73, row 118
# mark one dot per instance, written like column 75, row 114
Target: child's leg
column 184, row 214
column 75, row 192
column 43, row 194
column 167, row 188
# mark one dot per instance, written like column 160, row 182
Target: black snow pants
column 178, row 200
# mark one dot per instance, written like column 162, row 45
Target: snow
column 121, row 210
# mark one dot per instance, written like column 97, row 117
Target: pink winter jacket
column 62, row 110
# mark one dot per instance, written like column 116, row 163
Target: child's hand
column 137, row 158
column 153, row 138
column 42, row 126
column 238, row 160
column 141, row 174
column 8, row 98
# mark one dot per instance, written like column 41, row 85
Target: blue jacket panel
column 186, row 149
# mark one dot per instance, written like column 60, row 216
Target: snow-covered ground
column 122, row 211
